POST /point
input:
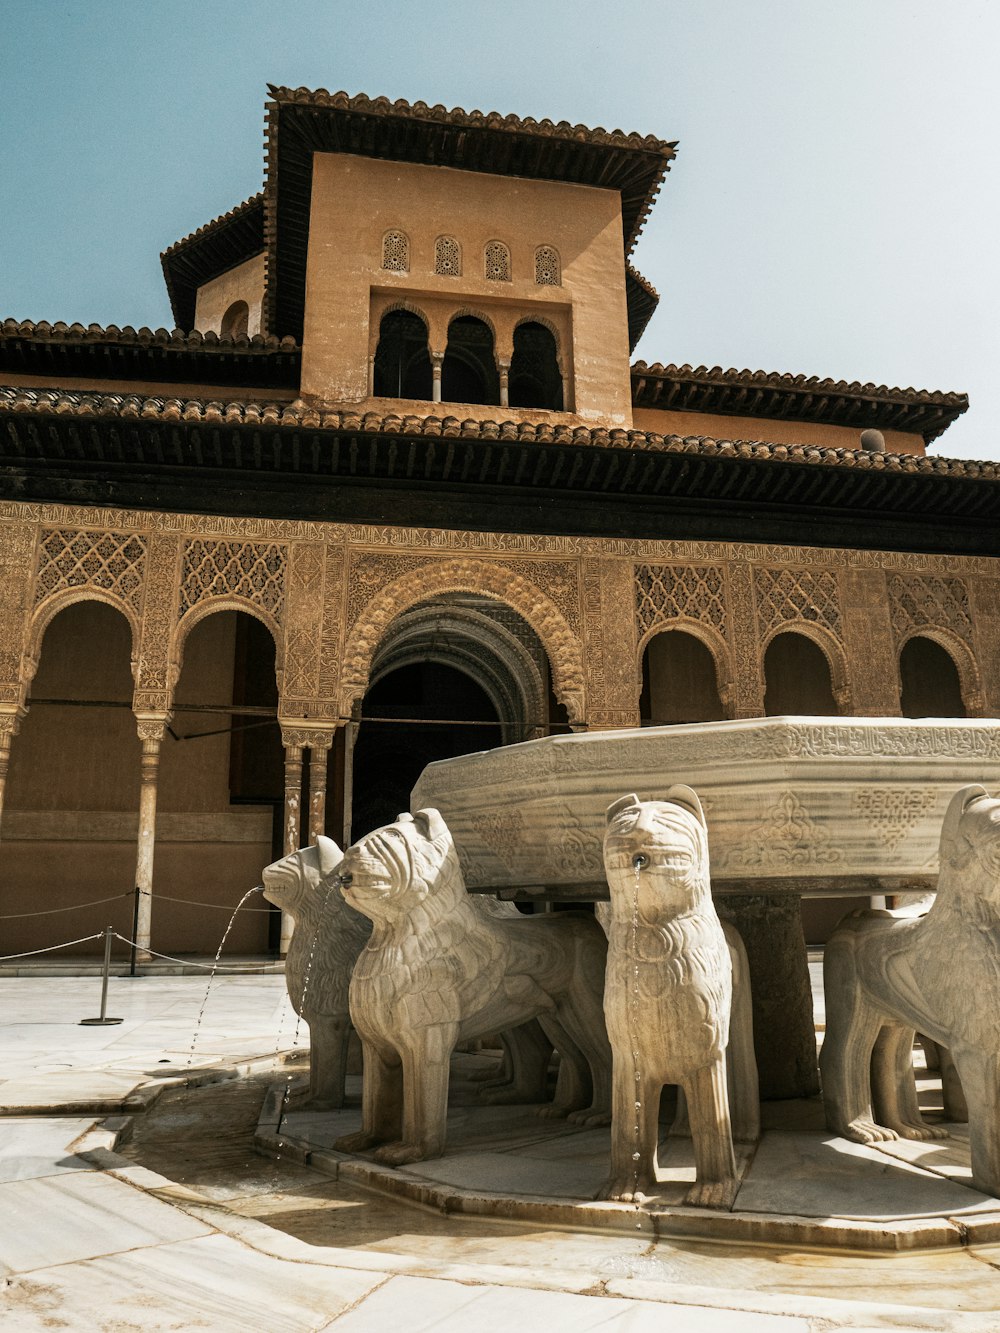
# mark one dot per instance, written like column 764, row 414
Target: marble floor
column 185, row 1226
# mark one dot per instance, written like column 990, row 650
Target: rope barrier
column 187, row 962
column 193, row 902
column 73, row 907
column 29, row 953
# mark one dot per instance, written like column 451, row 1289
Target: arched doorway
column 469, row 371
column 679, row 681
column 929, row 681
column 451, row 675
column 221, row 785
column 797, row 678
column 73, row 788
column 402, row 362
column 535, row 380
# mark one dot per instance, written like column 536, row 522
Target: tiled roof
column 299, row 415
column 71, row 351
column 765, row 394
column 212, row 249
column 301, row 122
column 641, row 299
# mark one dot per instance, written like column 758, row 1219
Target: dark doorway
column 535, row 380
column 402, row 362
column 679, row 681
column 797, row 678
column 411, row 717
column 469, row 373
column 929, row 682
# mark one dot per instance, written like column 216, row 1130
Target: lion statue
column 325, row 944
column 669, row 993
column 437, row 971
column 886, row 978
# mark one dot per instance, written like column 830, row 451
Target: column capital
column 304, row 734
column 152, row 726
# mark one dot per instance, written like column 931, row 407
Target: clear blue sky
column 832, row 211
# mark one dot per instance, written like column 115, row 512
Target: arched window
column 396, row 252
column 797, row 678
column 448, row 257
column 929, row 681
column 679, row 681
column 236, row 321
column 547, row 267
column 469, row 372
column 497, row 262
column 402, row 362
column 535, row 380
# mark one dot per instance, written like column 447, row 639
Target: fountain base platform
column 801, row 1186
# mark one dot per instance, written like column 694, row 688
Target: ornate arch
column 47, row 610
column 410, row 307
column 208, row 606
column 489, row 579
column 831, row 648
column 969, row 678
column 706, row 634
column 473, row 312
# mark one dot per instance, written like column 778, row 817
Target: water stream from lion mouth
column 638, row 861
column 257, row 888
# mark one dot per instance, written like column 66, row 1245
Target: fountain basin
column 803, row 806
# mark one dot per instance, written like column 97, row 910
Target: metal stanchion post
column 135, row 932
column 103, row 1021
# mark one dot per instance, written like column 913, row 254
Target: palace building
column 394, row 489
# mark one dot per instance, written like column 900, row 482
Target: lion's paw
column 355, row 1142
column 552, row 1111
column 868, row 1132
column 399, row 1154
column 921, row 1132
column 590, row 1118
column 712, row 1194
column 624, row 1189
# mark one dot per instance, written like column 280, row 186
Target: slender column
column 293, row 815
column 437, row 361
column 504, row 369
column 9, row 724
column 351, row 735
column 151, row 731
column 319, row 753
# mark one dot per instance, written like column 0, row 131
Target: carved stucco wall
column 329, row 592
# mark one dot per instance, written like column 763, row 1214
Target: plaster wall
column 245, row 282
column 720, row 427
column 355, row 201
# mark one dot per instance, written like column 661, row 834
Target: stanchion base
column 98, row 1022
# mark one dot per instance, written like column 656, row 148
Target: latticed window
column 447, row 257
column 497, row 262
column 546, row 267
column 396, row 251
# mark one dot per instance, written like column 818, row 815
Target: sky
column 832, row 210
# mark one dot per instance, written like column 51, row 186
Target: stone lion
column 325, row 944
column 437, row 971
column 937, row 974
column 668, row 998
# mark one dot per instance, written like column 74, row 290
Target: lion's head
column 970, row 850
column 656, row 855
column 402, row 867
column 292, row 882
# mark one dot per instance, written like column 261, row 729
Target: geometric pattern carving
column 546, row 266
column 112, row 561
column 234, row 569
column 395, row 252
column 447, row 257
column 929, row 602
column 666, row 592
column 497, row 262
column 893, row 812
column 797, row 594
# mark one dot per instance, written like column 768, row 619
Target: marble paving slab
column 811, row 1175
column 86, row 1214
column 436, row 1306
column 210, row 1282
column 37, row 1147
